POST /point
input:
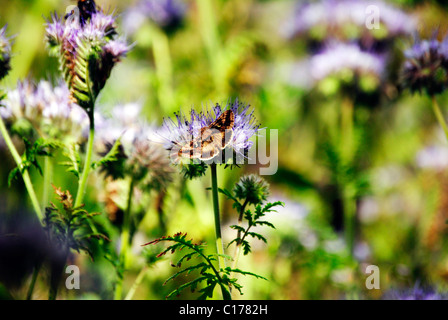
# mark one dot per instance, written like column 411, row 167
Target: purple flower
column 167, row 14
column 340, row 57
column 186, row 129
column 5, row 53
column 416, row 293
column 426, row 67
column 332, row 17
column 49, row 110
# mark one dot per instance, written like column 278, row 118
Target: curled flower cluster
column 166, row 14
column 426, row 66
column 138, row 157
column 185, row 129
column 5, row 53
column 49, row 110
column 87, row 48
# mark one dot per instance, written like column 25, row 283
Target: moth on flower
column 208, row 135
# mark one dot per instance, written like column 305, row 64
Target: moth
column 211, row 141
column 85, row 8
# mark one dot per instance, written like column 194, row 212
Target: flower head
column 209, row 132
column 426, row 66
column 87, row 49
column 5, row 53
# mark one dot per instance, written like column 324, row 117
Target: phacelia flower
column 5, row 53
column 188, row 132
column 426, row 67
column 166, row 14
column 48, row 109
column 88, row 49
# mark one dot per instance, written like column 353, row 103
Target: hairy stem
column 125, row 233
column 25, row 174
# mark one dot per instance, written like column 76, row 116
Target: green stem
column 125, row 234
column 349, row 207
column 141, row 275
column 33, row 282
column 439, row 115
column 164, row 69
column 25, row 174
column 48, row 172
column 219, row 243
column 210, row 36
column 85, row 173
column 347, row 153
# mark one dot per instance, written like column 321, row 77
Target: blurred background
column 301, row 66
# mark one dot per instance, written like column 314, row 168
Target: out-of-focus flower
column 341, row 57
column 49, row 110
column 252, row 188
column 87, row 49
column 185, row 130
column 433, row 157
column 166, row 14
column 138, row 157
column 5, row 53
column 346, row 20
column 416, row 293
column 426, row 67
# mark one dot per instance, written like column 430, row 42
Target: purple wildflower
column 5, row 53
column 416, row 293
column 338, row 57
column 167, row 14
column 426, row 66
column 49, row 110
column 333, row 16
column 185, row 129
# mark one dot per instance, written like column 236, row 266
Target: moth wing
column 225, row 121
